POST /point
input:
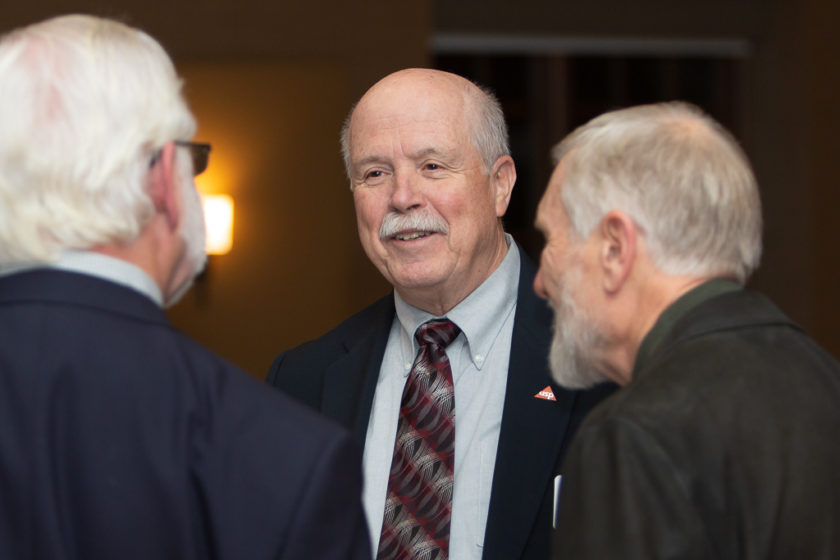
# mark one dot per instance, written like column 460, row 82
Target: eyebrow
column 430, row 151
column 368, row 160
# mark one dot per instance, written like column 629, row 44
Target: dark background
column 271, row 82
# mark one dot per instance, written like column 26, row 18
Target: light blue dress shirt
column 479, row 359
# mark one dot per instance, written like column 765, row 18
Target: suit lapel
column 350, row 381
column 532, row 429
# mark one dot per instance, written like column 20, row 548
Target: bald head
column 414, row 92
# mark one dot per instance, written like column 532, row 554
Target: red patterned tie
column 419, row 503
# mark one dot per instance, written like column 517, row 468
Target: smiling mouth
column 411, row 236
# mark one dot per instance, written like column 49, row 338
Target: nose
column 407, row 193
column 539, row 285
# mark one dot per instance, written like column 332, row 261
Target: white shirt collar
column 479, row 316
column 100, row 266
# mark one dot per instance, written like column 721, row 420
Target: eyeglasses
column 199, row 152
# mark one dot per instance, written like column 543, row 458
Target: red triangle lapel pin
column 546, row 394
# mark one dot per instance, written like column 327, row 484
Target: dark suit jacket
column 337, row 375
column 120, row 437
column 725, row 445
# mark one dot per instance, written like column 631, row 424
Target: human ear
column 619, row 246
column 503, row 177
column 163, row 185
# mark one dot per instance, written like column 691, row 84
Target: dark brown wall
column 791, row 81
column 821, row 90
column 273, row 129
column 271, row 82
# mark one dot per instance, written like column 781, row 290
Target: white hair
column 681, row 177
column 85, row 102
column 488, row 129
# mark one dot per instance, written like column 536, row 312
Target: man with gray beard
column 431, row 177
column 722, row 442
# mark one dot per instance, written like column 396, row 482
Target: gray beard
column 576, row 337
column 192, row 230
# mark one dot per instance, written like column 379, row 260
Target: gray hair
column 681, row 177
column 487, row 123
column 85, row 102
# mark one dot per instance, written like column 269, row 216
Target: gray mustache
column 413, row 221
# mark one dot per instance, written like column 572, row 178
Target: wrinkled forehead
column 411, row 112
column 551, row 211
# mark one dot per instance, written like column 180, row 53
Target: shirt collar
column 480, row 315
column 100, row 266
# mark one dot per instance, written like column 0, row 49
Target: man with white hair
column 431, row 176
column 119, row 436
column 722, row 442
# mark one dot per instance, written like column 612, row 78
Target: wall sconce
column 218, row 216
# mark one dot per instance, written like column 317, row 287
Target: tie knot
column 440, row 332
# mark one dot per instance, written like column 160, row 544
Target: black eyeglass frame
column 199, row 152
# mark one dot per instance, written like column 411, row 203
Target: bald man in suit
column 431, row 176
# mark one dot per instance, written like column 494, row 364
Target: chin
column 416, row 279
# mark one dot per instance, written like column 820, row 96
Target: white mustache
column 394, row 223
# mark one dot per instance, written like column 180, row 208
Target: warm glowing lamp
column 218, row 216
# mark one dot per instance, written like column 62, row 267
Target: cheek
column 472, row 224
column 368, row 215
column 470, row 205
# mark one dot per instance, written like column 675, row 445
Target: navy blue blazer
column 120, row 437
column 336, row 374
